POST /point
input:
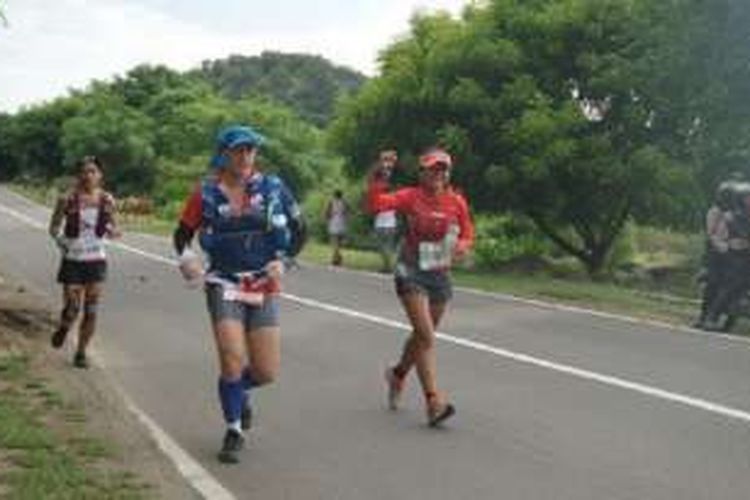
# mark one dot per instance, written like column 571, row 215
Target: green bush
column 503, row 239
column 624, row 250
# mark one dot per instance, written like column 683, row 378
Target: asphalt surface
column 552, row 404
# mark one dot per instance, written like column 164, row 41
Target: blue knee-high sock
column 231, row 394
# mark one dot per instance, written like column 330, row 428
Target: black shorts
column 436, row 285
column 73, row 272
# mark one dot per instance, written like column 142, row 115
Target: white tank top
column 88, row 246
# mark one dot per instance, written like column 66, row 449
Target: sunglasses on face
column 436, row 169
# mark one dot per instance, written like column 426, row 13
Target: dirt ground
column 26, row 322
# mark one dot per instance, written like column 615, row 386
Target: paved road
column 553, row 404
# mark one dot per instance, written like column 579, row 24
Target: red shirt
column 192, row 212
column 428, row 216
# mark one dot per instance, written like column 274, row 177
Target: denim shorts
column 252, row 317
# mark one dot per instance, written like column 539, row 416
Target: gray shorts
column 436, row 285
column 252, row 317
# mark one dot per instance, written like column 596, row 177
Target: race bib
column 250, row 298
column 435, row 255
column 248, row 291
column 88, row 246
column 385, row 220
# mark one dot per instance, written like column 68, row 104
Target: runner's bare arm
column 113, row 229
column 466, row 227
column 190, row 221
column 182, row 237
column 55, row 222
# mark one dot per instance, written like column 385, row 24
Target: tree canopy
column 308, row 84
column 154, row 129
column 580, row 114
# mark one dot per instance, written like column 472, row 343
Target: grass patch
column 43, row 462
column 320, row 253
column 142, row 224
column 603, row 296
column 13, row 366
column 91, row 448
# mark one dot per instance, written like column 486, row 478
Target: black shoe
column 58, row 338
column 246, row 419
column 438, row 412
column 80, row 360
column 233, row 443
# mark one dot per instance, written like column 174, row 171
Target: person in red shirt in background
column 438, row 230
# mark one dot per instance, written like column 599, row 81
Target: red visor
column 435, row 158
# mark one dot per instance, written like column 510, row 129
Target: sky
column 51, row 46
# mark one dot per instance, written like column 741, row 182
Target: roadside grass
column 593, row 295
column 44, row 453
column 320, row 253
column 45, row 195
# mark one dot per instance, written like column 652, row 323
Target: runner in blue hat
column 248, row 222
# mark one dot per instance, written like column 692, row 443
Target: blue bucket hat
column 231, row 137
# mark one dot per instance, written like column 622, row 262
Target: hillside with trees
column 308, row 84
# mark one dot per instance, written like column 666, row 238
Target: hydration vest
column 245, row 241
column 73, row 215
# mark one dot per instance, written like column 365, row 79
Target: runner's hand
column 114, row 233
column 191, row 267
column 275, row 269
column 62, row 244
column 461, row 250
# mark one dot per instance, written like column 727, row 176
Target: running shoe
column 438, row 410
column 58, row 338
column 80, row 360
column 233, row 443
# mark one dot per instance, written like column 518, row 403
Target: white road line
column 558, row 306
column 610, row 380
column 23, row 218
column 191, row 470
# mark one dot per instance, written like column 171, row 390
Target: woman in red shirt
column 438, row 230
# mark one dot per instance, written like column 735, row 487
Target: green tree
column 187, row 118
column 120, row 136
column 31, row 143
column 144, row 82
column 308, row 84
column 698, row 81
column 8, row 166
column 544, row 106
